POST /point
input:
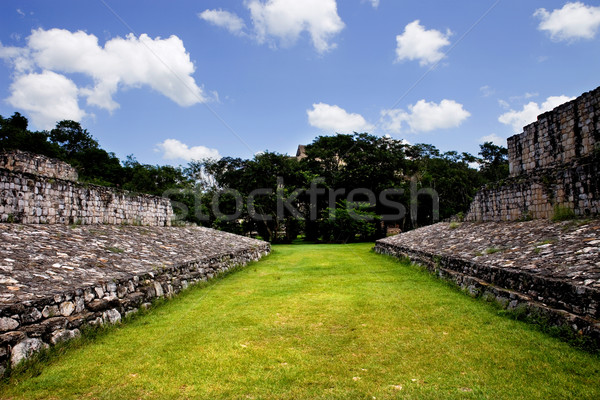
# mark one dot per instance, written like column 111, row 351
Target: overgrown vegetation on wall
column 319, row 188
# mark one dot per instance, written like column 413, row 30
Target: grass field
column 318, row 321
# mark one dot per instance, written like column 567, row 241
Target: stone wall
column 558, row 137
column 36, row 164
column 535, row 195
column 26, row 327
column 554, row 162
column 511, row 263
column 39, row 190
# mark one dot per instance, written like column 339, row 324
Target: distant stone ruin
column 554, row 163
column 35, row 189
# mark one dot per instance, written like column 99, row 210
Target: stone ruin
column 35, row 189
column 554, row 163
column 75, row 254
column 518, row 257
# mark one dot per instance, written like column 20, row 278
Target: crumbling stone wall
column 558, row 137
column 534, row 195
column 36, row 164
column 35, row 189
column 26, row 327
column 537, row 268
column 554, row 162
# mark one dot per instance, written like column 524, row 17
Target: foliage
column 494, row 160
column 454, row 225
column 349, row 222
column 406, row 181
column 562, row 213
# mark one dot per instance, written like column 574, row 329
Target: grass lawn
column 319, row 321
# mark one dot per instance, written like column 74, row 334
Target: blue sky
column 172, row 81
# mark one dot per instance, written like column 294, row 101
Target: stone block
column 26, row 349
column 8, row 324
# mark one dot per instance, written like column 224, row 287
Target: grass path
column 319, row 321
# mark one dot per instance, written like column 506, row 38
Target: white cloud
column 48, row 97
column 18, row 57
column 173, row 149
column 336, row 119
column 497, row 140
column 573, row 21
column 417, row 43
column 131, row 62
column 527, row 95
column 530, row 112
column 486, row 91
column 425, row 116
column 285, row 20
column 224, row 19
column 503, row 104
column 374, row 3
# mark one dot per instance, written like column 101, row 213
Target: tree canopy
column 346, row 188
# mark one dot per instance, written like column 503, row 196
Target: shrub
column 562, row 213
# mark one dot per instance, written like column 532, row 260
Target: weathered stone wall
column 558, row 137
column 36, row 164
column 39, row 190
column 26, row 327
column 537, row 267
column 481, row 281
column 554, row 162
column 535, row 195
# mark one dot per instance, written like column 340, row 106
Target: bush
column 562, row 213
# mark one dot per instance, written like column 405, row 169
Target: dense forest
column 342, row 188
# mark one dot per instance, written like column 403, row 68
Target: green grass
column 563, row 213
column 318, row 321
column 493, row 250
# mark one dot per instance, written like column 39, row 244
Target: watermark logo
column 305, row 203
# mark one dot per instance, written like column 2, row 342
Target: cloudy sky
column 175, row 81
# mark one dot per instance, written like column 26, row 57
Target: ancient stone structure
column 534, row 266
column 87, row 254
column 22, row 161
column 537, row 267
column 56, row 278
column 555, row 162
column 35, row 189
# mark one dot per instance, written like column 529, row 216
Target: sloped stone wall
column 56, row 278
column 538, row 267
column 26, row 327
column 38, row 190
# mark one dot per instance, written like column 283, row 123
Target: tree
column 259, row 182
column 72, row 138
column 349, row 222
column 494, row 161
column 14, row 135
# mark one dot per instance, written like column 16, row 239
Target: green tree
column 349, row 222
column 273, row 175
column 494, row 160
column 14, row 135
